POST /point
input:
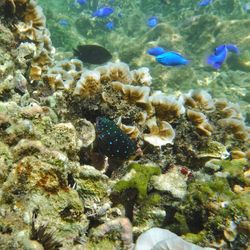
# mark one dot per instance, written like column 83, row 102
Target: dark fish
column 93, row 54
column 171, row 58
column 112, row 141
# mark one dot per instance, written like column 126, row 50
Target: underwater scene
column 125, row 124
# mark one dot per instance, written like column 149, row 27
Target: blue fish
column 171, row 58
column 152, row 21
column 63, row 22
column 110, row 25
column 81, row 2
column 103, row 12
column 219, row 49
column 218, row 57
column 203, row 3
column 246, row 7
column 156, row 51
column 233, row 48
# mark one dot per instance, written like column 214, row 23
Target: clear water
column 183, row 26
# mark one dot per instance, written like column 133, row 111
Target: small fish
column 110, row 25
column 103, row 12
column 230, row 47
column 156, row 51
column 112, row 141
column 246, row 7
column 218, row 58
column 219, row 49
column 203, row 3
column 171, row 58
column 63, row 22
column 152, row 21
column 233, row 48
column 81, row 2
column 93, row 54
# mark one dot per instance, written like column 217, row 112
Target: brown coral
column 167, row 108
column 200, row 121
column 160, row 134
column 199, row 99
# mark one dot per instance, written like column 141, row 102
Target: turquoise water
column 183, row 26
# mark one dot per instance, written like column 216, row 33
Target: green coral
column 138, row 178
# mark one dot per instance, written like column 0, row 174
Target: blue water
column 184, row 27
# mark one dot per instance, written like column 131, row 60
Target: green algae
column 195, row 238
column 91, row 188
column 235, row 169
column 147, row 212
column 101, row 244
column 139, row 179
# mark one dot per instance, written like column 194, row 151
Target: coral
column 136, row 94
column 166, row 107
column 31, row 26
column 201, row 122
column 199, row 99
column 88, row 84
column 159, row 135
column 56, row 158
column 120, row 226
column 171, row 181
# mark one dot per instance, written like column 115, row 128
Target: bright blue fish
column 203, row 3
column 156, row 51
column 152, row 21
column 230, row 47
column 219, row 49
column 233, row 48
column 63, row 22
column 103, row 12
column 81, row 2
column 171, row 58
column 218, row 58
column 110, row 25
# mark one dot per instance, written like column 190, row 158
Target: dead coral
column 122, row 226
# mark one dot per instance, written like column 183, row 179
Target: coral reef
column 182, row 162
column 30, row 44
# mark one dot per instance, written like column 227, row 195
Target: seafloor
column 92, row 157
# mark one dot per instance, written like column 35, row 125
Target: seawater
column 182, row 26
